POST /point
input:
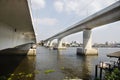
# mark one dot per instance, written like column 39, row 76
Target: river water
column 55, row 65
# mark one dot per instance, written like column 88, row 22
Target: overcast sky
column 53, row 16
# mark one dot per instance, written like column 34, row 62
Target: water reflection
column 87, row 67
column 76, row 66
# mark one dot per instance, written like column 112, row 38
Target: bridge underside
column 16, row 27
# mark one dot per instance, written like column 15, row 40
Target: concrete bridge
column 16, row 29
column 108, row 15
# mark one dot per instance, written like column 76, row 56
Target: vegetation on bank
column 112, row 75
column 49, row 71
column 24, row 76
column 20, row 76
column 69, row 74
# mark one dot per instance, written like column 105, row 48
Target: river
column 54, row 65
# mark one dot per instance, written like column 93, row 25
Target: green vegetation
column 114, row 75
column 36, row 71
column 23, row 75
column 49, row 71
column 62, row 68
column 20, row 76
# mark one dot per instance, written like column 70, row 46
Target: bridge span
column 108, row 15
column 16, row 28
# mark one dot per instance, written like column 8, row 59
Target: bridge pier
column 87, row 44
column 59, row 45
column 32, row 50
column 50, row 44
column 46, row 44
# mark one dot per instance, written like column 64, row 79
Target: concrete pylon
column 87, row 39
column 32, row 50
column 87, row 44
column 59, row 43
column 59, row 46
column 50, row 44
column 47, row 44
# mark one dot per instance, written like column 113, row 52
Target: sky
column 53, row 16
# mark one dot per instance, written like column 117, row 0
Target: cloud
column 100, row 4
column 72, row 6
column 80, row 7
column 58, row 6
column 38, row 4
column 45, row 21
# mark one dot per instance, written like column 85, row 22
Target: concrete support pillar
column 32, row 50
column 87, row 39
column 87, row 44
column 47, row 43
column 59, row 43
column 51, row 44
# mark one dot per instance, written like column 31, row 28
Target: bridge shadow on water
column 16, row 64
